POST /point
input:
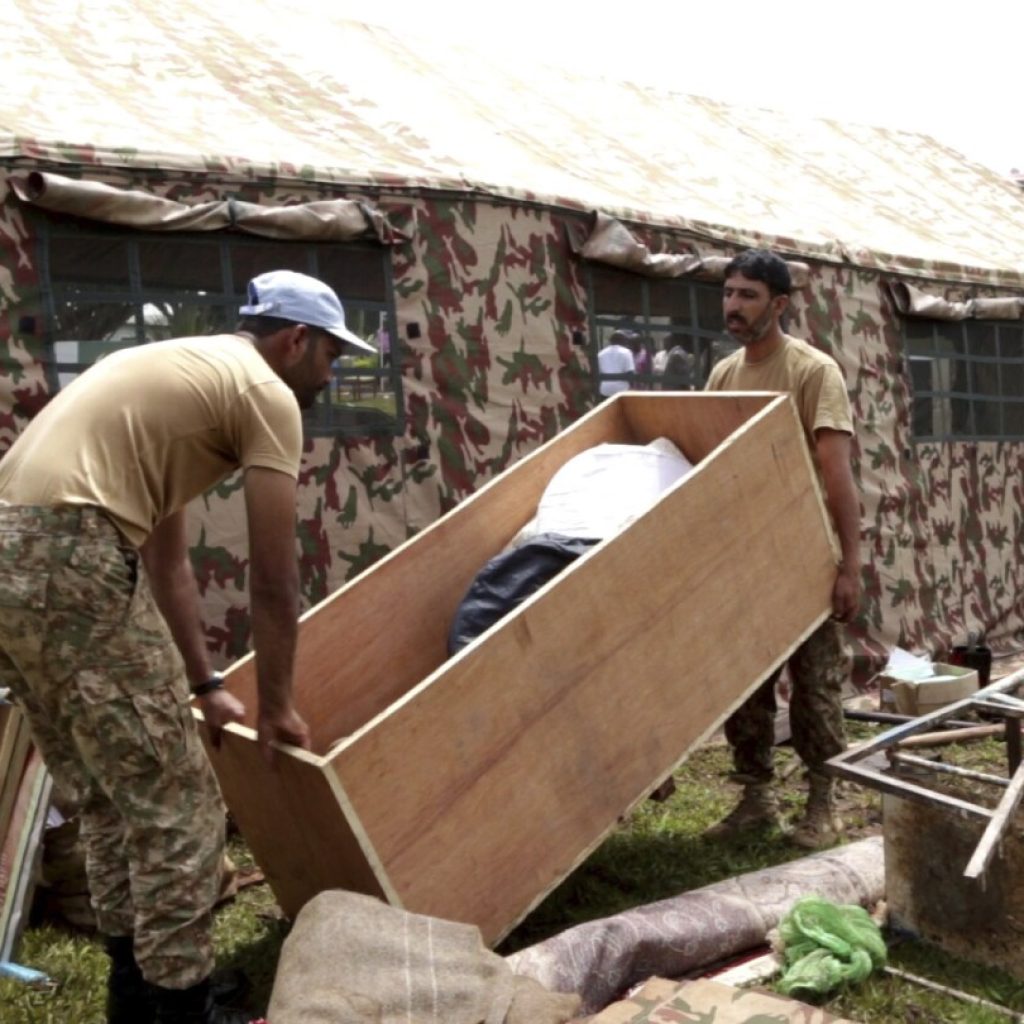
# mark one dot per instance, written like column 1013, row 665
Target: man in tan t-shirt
column 756, row 293
column 101, row 657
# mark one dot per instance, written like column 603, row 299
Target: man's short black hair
column 762, row 265
column 262, row 326
column 622, row 336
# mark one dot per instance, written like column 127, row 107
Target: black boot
column 193, row 1005
column 127, row 992
column 229, row 985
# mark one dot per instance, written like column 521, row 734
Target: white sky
column 950, row 70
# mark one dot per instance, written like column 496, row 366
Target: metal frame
column 865, row 764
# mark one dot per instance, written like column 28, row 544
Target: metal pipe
column 965, row 997
column 891, row 718
column 949, row 769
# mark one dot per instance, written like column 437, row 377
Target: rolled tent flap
column 914, row 302
column 611, row 242
column 327, row 220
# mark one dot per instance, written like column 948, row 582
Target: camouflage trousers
column 818, row 669
column 91, row 663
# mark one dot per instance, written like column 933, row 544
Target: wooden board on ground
column 467, row 788
column 20, row 848
column 15, row 740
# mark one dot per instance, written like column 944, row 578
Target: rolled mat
column 601, row 959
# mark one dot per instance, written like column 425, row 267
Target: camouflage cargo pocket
column 96, row 582
column 132, row 717
column 23, row 590
column 22, row 622
column 110, row 618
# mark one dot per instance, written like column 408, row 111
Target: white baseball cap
column 303, row 299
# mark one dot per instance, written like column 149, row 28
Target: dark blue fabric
column 508, row 579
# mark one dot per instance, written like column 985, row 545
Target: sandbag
column 351, row 959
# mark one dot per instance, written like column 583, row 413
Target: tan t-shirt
column 149, row 428
column 809, row 375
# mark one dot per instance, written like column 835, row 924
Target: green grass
column 248, row 933
column 659, row 852
column 883, row 999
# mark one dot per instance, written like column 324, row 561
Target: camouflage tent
column 488, row 226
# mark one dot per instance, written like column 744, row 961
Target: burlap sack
column 351, row 959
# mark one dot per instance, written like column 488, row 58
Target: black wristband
column 215, row 682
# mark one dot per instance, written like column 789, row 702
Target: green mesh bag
column 826, row 945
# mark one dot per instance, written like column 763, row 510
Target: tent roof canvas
column 139, row 84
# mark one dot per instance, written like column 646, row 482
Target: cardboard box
column 468, row 787
column 949, row 684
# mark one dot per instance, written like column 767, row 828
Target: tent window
column 105, row 288
column 665, row 313
column 967, row 379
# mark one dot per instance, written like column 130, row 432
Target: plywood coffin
column 468, row 788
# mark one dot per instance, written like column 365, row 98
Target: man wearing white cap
column 102, row 657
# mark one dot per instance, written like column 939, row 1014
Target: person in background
column 642, row 362
column 677, row 374
column 616, row 358
column 661, row 356
column 384, row 346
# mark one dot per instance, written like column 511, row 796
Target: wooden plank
column 13, row 766
column 293, row 819
column 20, row 849
column 936, row 739
column 519, row 754
column 1001, row 816
column 11, row 838
column 698, row 425
column 751, row 972
column 8, row 724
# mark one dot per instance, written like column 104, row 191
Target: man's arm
column 833, row 451
column 274, row 600
column 169, row 570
